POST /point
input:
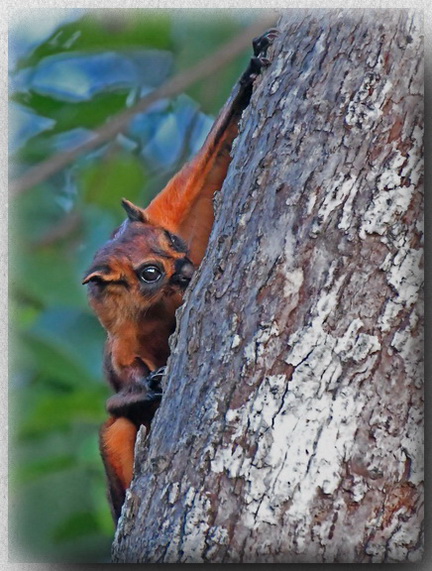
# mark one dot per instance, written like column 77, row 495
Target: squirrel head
column 143, row 269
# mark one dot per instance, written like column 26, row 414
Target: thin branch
column 172, row 87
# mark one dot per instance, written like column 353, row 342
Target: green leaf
column 77, row 525
column 97, row 226
column 214, row 32
column 47, row 275
column 106, row 30
column 31, row 471
column 75, row 336
column 36, row 149
column 52, row 411
column 53, row 362
column 23, row 312
column 107, row 181
column 68, row 116
column 102, row 509
column 34, row 214
column 88, row 453
column 40, row 512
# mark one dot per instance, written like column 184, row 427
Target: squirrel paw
column 262, row 43
column 138, row 401
column 259, row 59
column 154, row 379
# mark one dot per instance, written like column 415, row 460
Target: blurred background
column 71, row 71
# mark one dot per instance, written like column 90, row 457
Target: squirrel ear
column 93, row 276
column 100, row 273
column 134, row 213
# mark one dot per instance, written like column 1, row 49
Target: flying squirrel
column 138, row 278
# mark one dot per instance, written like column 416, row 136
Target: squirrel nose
column 184, row 272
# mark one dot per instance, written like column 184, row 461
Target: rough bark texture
column 291, row 426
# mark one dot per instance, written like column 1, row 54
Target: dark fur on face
column 140, row 268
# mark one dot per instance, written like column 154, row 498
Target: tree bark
column 291, row 424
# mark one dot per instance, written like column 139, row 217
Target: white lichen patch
column 354, row 345
column 236, row 340
column 339, row 194
column 347, row 209
column 399, row 545
column 336, row 195
column 173, row 493
column 391, row 178
column 405, row 274
column 394, row 189
column 299, row 444
column 250, row 353
column 195, row 526
column 270, row 247
column 292, row 285
column 387, row 205
column 305, row 339
column 255, row 350
column 413, row 168
column 375, row 62
column 216, row 536
column 359, row 487
column 412, row 444
column 365, row 108
column 244, row 219
column 311, row 202
column 410, row 349
column 277, row 68
column 364, row 346
column 172, row 552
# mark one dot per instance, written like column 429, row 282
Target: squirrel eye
column 150, row 274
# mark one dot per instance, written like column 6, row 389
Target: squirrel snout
column 184, row 271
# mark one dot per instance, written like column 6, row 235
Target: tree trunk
column 291, row 425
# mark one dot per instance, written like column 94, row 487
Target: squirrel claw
column 139, row 400
column 158, row 372
column 259, row 59
column 154, row 379
column 261, row 43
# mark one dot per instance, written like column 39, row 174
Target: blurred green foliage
column 83, row 69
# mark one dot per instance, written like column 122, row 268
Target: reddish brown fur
column 185, row 206
column 137, row 325
column 139, row 320
column 117, row 439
